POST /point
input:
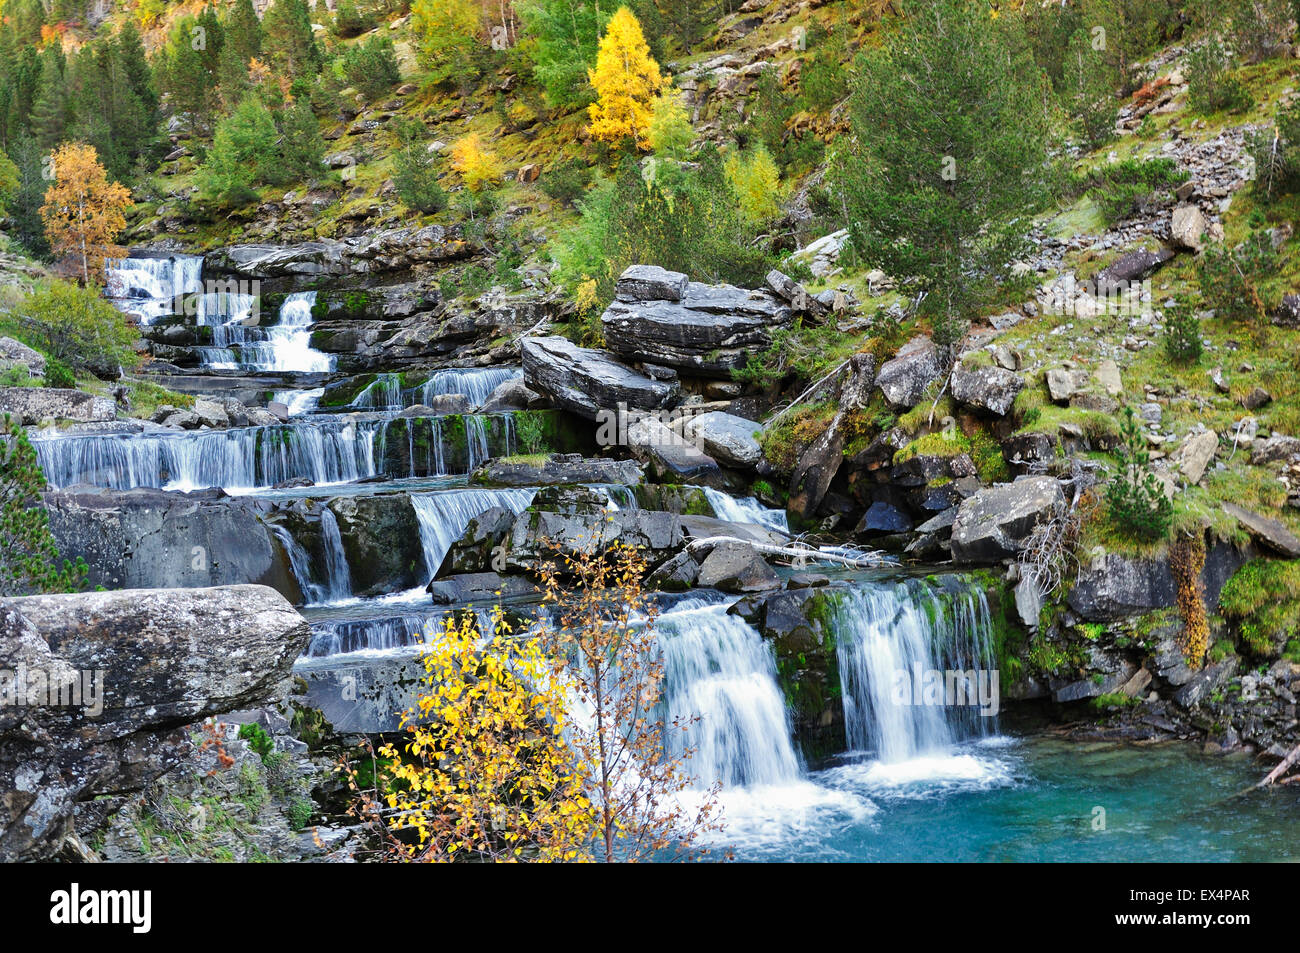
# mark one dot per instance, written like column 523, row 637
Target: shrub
column 1186, row 561
column 1182, row 335
column 1260, row 602
column 29, row 557
column 77, row 328
column 1210, row 86
column 58, row 374
column 567, row 181
column 371, row 66
column 1277, row 154
column 414, row 172
column 1230, row 278
column 754, row 179
column 1139, row 508
column 349, row 21
column 531, row 433
column 476, row 164
column 257, row 738
column 1118, row 188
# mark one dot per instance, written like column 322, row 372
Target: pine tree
column 50, row 109
column 566, row 35
column 288, row 41
column 130, row 52
column 415, row 174
column 301, row 145
column 949, row 145
column 626, row 80
column 243, row 153
column 243, row 31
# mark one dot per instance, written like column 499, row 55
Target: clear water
column 1034, row 799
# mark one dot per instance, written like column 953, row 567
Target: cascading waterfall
column 891, row 633
column 336, row 636
column 745, row 510
column 443, row 516
column 239, row 459
column 476, row 383
column 284, row 347
column 300, row 563
column 717, row 666
column 150, row 288
column 338, row 576
column 383, row 393
column 299, row 401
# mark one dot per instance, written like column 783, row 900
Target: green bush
column 58, row 374
column 78, row 329
column 1277, row 154
column 371, row 66
column 29, row 556
column 258, row 739
column 349, row 21
column 530, row 431
column 1182, row 335
column 415, row 174
column 1230, row 278
column 1118, row 188
column 567, row 181
column 1211, row 87
column 1136, row 500
column 1260, row 602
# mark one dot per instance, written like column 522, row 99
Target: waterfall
column 383, row 393
column 336, row 636
column 619, row 496
column 717, row 666
column 889, row 635
column 299, row 401
column 476, row 384
column 338, row 576
column 443, row 516
column 150, row 288
column 299, row 562
column 745, row 510
column 331, row 450
column 284, row 347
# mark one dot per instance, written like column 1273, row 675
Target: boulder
column 650, row 283
column 483, row 588
column 796, row 294
column 513, row 394
column 993, row 524
column 586, row 381
column 737, row 567
column 710, row 332
column 588, row 528
column 1195, row 455
column 146, row 539
column 1265, row 530
column 15, row 353
column 989, row 388
column 31, row 405
column 727, row 438
column 149, row 663
column 1274, row 449
column 1187, row 227
column 881, row 519
column 210, row 413
column 670, row 456
column 558, row 469
column 904, row 378
column 1131, row 266
column 1111, row 586
column 1107, row 375
column 675, row 574
column 381, row 541
column 1063, row 384
column 1287, row 314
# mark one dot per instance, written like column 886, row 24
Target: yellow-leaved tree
column 477, row 165
column 626, row 80
column 84, row 212
column 486, row 773
column 756, row 181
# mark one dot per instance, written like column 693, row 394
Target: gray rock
column 559, row 469
column 145, row 539
column 796, row 294
column 904, row 378
column 1270, row 532
column 31, row 405
column 670, row 457
column 1195, row 455
column 483, row 588
column 1206, row 681
column 1107, row 375
column 1275, row 448
column 726, row 437
column 993, row 524
column 737, row 567
column 883, row 518
column 210, row 413
column 650, row 283
column 161, row 660
column 587, row 381
column 989, row 388
column 513, row 394
column 15, row 353
column 710, row 333
column 675, row 574
column 1132, row 266
column 1063, row 384
column 1111, row 587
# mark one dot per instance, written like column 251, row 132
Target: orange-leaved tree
column 84, row 212
column 626, row 80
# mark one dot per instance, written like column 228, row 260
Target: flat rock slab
column 1270, row 532
column 587, row 381
column 993, row 524
column 725, row 437
column 31, row 405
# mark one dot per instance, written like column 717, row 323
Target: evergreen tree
column 415, row 173
column 242, row 155
column 949, row 145
column 130, row 52
column 566, row 36
column 243, row 31
column 50, row 109
column 288, row 41
column 301, row 145
column 626, row 80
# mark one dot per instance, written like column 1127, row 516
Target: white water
column 337, row 575
column 745, row 510
column 476, row 384
column 718, row 667
column 444, row 515
column 299, row 401
column 284, row 347
column 150, row 288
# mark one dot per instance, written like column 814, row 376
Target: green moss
column 1261, row 602
column 1110, row 700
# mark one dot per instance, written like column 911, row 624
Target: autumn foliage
column 627, row 82
column 83, row 211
